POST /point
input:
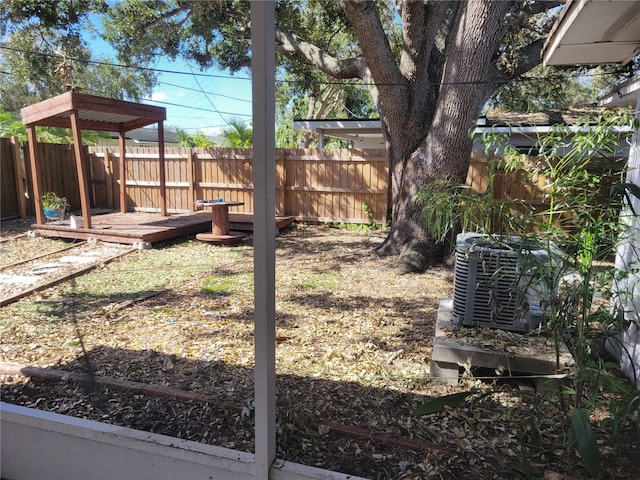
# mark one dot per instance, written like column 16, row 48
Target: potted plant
column 54, row 206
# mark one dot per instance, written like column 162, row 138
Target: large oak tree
column 430, row 66
column 453, row 57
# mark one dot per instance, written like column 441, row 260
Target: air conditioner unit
column 501, row 282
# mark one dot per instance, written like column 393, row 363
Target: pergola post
column 81, row 167
column 263, row 80
column 123, row 170
column 163, row 179
column 35, row 174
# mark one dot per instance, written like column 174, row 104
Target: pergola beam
column 96, row 125
column 92, row 108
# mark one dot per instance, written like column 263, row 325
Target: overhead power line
column 215, row 110
column 121, row 65
column 207, row 96
column 337, row 82
column 206, row 93
column 181, row 106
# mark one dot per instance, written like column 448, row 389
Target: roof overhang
column 590, row 32
column 95, row 113
column 622, row 95
column 353, row 130
column 358, row 130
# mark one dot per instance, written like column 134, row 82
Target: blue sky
column 194, row 99
column 204, row 103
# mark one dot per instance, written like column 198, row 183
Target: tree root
column 411, row 261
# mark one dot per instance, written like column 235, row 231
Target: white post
column 264, row 230
column 320, row 133
column 627, row 345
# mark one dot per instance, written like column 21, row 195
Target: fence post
column 190, row 179
column 90, row 176
column 281, row 181
column 20, row 180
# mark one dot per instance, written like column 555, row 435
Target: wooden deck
column 146, row 228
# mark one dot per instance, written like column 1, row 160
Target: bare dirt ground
column 353, row 347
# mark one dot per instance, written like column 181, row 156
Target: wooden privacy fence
column 522, row 186
column 526, row 194
column 10, row 179
column 311, row 185
column 336, row 185
column 58, row 174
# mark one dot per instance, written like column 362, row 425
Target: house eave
column 590, row 32
column 622, row 95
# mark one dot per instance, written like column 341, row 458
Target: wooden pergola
column 88, row 112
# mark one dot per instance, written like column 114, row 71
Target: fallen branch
column 126, row 303
column 8, row 239
column 152, row 390
column 386, row 438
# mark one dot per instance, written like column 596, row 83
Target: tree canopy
column 43, row 53
column 198, row 139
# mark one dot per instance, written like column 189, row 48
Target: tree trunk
column 445, row 150
column 444, row 154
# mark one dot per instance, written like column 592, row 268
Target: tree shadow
column 212, row 402
column 348, row 250
column 422, row 314
column 303, row 402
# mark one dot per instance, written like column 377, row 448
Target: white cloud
column 211, row 131
column 159, row 96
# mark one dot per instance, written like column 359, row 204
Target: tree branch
column 168, row 14
column 541, row 6
column 421, row 54
column 528, row 58
column 373, row 41
column 413, row 36
column 356, row 67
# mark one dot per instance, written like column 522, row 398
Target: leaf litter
column 353, row 344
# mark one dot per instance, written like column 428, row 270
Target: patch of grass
column 364, row 227
column 117, row 283
column 164, row 310
column 323, row 281
column 219, row 286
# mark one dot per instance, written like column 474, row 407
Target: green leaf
column 438, row 404
column 582, row 434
